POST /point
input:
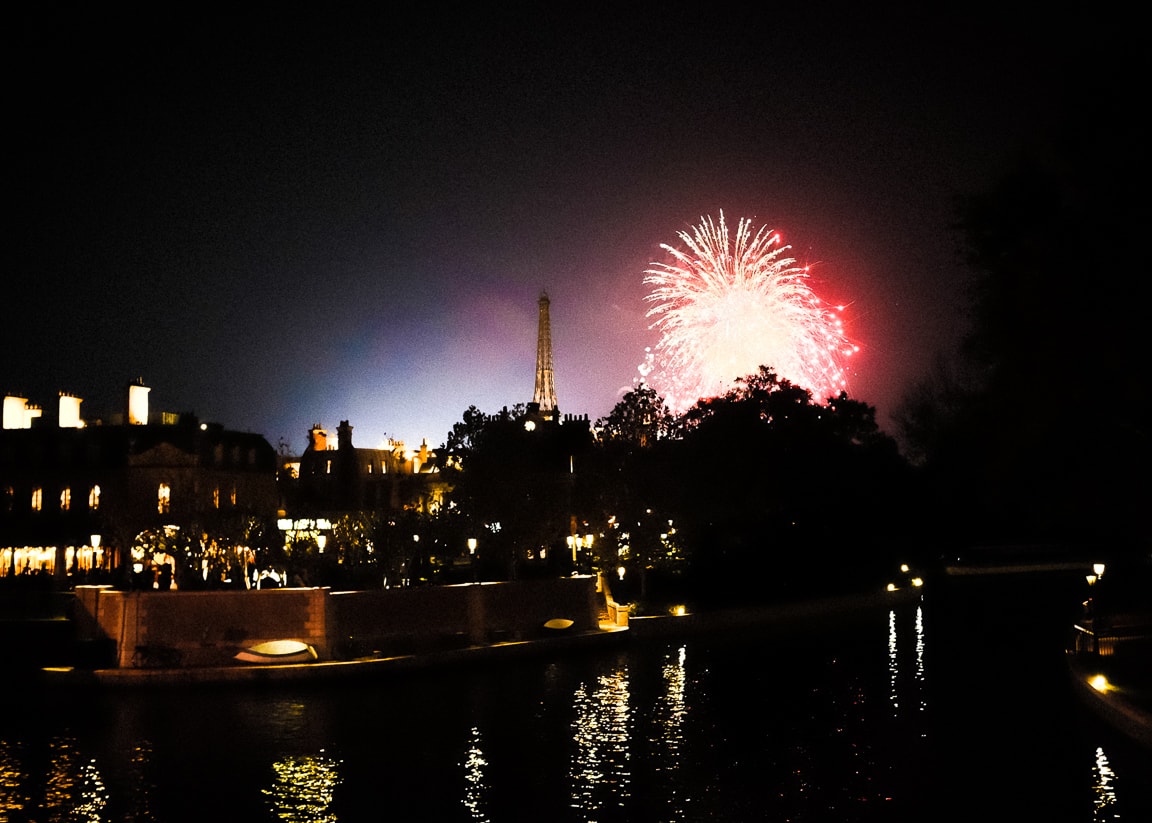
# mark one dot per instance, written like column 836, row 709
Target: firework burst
column 727, row 305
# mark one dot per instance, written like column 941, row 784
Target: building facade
column 334, row 477
column 80, row 499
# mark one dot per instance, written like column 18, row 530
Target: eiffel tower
column 544, row 397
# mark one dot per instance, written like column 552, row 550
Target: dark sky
column 278, row 218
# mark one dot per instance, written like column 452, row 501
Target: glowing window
column 232, row 496
column 94, row 498
column 216, row 497
column 65, row 499
column 37, row 498
column 163, row 498
column 328, row 467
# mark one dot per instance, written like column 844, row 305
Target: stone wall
column 208, row 628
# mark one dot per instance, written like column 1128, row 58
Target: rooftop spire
column 545, row 394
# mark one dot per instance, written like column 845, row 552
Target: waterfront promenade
column 787, row 618
column 1124, row 701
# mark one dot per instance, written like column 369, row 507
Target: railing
column 1117, row 639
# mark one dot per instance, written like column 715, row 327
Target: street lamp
column 97, row 552
column 471, row 545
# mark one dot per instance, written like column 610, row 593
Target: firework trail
column 726, row 306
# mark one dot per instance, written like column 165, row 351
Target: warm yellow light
column 138, row 405
column 1100, row 683
column 1099, row 569
column 471, row 545
column 679, row 611
column 904, row 567
column 917, row 581
column 1091, row 578
column 891, row 587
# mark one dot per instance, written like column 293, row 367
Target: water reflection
column 1104, row 786
column 302, row 788
column 920, row 656
column 817, row 728
column 893, row 662
column 667, row 733
column 918, row 675
column 139, row 805
column 601, row 771
column 474, row 788
column 12, row 775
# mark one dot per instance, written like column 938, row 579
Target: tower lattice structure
column 545, row 394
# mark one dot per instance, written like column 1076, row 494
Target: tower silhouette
column 544, row 397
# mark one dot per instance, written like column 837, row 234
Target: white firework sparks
column 726, row 306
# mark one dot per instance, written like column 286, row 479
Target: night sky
column 278, row 219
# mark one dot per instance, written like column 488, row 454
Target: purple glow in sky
column 345, row 215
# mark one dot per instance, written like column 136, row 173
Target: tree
column 784, row 490
column 641, row 417
column 520, row 484
column 1046, row 418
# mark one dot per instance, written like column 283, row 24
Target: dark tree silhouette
column 1041, row 432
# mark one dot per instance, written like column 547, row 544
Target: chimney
column 138, row 403
column 70, row 412
column 16, row 413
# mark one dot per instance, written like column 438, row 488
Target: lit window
column 94, row 498
column 232, row 497
column 369, row 468
column 37, row 498
column 65, row 499
column 216, row 497
column 328, row 467
column 163, row 498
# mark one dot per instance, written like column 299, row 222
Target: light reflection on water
column 1104, row 785
column 893, row 662
column 302, row 788
column 670, row 716
column 474, row 786
column 920, row 656
column 747, row 730
column 919, row 690
column 601, row 771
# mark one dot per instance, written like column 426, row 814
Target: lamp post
column 577, row 542
column 97, row 552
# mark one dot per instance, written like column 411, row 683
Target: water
column 943, row 709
